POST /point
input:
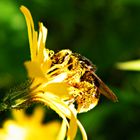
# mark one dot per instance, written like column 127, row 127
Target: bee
column 90, row 72
column 99, row 86
column 86, row 85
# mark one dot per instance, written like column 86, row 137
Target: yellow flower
column 24, row 127
column 57, row 75
column 51, row 79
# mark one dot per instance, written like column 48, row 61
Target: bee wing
column 104, row 89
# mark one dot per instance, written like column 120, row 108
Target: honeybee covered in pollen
column 85, row 86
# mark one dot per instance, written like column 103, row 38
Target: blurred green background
column 105, row 31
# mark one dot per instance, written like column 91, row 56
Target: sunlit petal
column 62, row 131
column 84, row 135
column 58, row 89
column 34, row 69
column 31, row 31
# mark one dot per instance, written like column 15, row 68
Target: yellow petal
column 55, row 104
column 31, row 31
column 33, row 49
column 58, row 89
column 41, row 41
column 60, row 78
column 52, row 129
column 84, row 135
column 63, row 110
column 19, row 116
column 62, row 132
column 38, row 115
column 72, row 130
column 46, row 65
column 34, row 69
